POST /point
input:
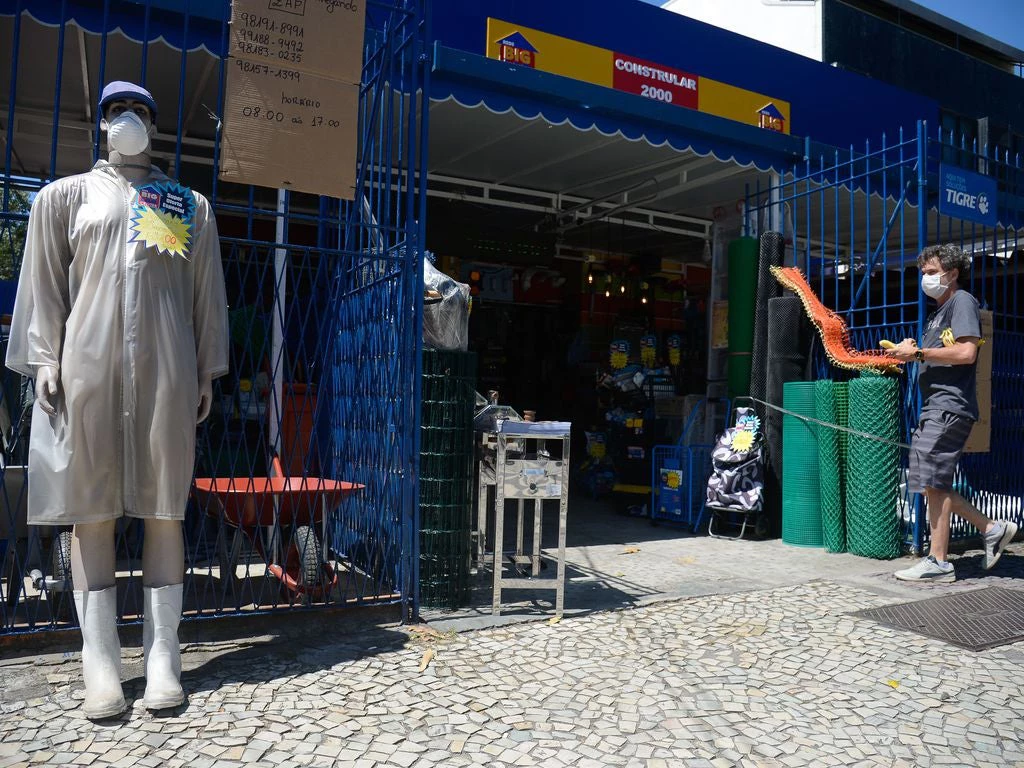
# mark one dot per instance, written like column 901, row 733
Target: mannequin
column 121, row 318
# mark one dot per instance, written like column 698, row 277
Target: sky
column 999, row 19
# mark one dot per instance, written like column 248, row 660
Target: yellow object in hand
column 886, row 344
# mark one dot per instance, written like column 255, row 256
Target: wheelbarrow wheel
column 229, row 552
column 308, row 556
column 61, row 557
column 60, row 567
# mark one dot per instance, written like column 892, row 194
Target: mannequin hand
column 46, row 388
column 205, row 399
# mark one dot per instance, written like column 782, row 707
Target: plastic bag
column 445, row 311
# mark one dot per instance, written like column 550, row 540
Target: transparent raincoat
column 132, row 329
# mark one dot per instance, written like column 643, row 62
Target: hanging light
column 644, row 287
column 590, row 277
column 607, row 293
column 622, row 288
column 643, row 299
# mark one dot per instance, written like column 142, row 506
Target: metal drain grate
column 975, row 620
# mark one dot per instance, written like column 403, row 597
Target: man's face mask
column 933, row 286
column 127, row 134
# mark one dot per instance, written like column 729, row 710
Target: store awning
column 165, row 20
column 475, row 81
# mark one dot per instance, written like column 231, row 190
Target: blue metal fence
column 854, row 221
column 324, row 304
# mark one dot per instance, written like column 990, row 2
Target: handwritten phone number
column 265, row 52
column 277, row 116
column 255, row 21
column 253, row 68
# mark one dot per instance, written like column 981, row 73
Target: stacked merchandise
column 446, row 477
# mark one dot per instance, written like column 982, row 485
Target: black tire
column 308, row 556
column 60, row 557
column 229, row 550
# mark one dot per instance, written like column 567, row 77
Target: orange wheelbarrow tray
column 248, row 502
column 251, row 503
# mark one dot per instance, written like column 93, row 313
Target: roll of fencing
column 742, row 301
column 832, row 461
column 770, row 252
column 789, row 343
column 873, row 468
column 801, row 492
column 446, row 481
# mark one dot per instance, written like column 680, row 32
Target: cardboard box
column 980, row 439
column 298, row 133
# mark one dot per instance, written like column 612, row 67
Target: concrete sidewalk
column 690, row 652
column 617, row 561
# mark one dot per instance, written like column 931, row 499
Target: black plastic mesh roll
column 446, row 482
column 770, row 254
column 788, row 350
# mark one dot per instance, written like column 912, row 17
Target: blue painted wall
column 829, row 105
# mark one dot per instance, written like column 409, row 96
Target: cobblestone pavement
column 776, row 677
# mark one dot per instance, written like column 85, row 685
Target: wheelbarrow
column 23, row 549
column 260, row 508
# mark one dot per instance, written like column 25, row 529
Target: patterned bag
column 737, row 477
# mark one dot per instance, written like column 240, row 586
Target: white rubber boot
column 162, row 606
column 101, row 653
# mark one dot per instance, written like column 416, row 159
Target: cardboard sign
column 290, row 133
column 980, row 439
column 323, row 37
column 292, row 107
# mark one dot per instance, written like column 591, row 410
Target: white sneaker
column 928, row 569
column 1002, row 533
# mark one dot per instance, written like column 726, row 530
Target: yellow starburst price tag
column 742, row 441
column 162, row 217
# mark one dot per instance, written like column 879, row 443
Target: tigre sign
column 967, row 195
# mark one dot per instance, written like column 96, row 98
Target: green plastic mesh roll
column 831, row 463
column 873, row 469
column 801, row 492
column 742, row 288
column 446, row 477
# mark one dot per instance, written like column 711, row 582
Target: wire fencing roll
column 446, row 477
column 801, row 491
column 832, row 461
column 873, row 468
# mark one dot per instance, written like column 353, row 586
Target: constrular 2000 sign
column 527, row 47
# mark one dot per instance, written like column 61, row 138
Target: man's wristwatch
column 919, row 355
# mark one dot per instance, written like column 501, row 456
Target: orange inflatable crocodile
column 834, row 334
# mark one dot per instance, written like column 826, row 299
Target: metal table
column 533, row 475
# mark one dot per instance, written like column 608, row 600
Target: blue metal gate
column 855, row 220
column 324, row 302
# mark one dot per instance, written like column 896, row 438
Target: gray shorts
column 935, row 449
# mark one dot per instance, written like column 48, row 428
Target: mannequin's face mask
column 128, row 129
